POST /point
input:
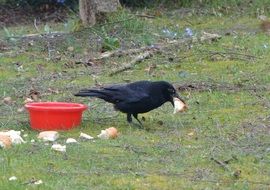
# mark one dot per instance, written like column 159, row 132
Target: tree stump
column 89, row 9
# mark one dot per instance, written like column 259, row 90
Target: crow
column 134, row 98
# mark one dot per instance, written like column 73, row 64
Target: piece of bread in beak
column 179, row 106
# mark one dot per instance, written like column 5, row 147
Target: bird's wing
column 137, row 86
column 127, row 93
column 114, row 87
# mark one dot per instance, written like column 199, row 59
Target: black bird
column 135, row 98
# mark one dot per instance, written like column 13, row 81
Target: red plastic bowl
column 55, row 115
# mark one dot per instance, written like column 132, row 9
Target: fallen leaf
column 190, row 134
column 52, row 91
column 209, row 37
column 35, row 95
column 7, row 100
column 237, row 174
column 28, row 100
column 70, row 48
column 20, row 110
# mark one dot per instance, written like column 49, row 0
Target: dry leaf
column 209, row 37
column 7, row 100
column 28, row 100
column 35, row 95
column 20, row 110
column 70, row 48
column 190, row 134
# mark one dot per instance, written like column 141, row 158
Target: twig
column 131, row 64
column 146, row 16
column 122, row 52
column 220, row 163
column 39, row 34
column 234, row 53
column 35, row 24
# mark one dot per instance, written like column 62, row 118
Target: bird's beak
column 178, row 103
column 175, row 95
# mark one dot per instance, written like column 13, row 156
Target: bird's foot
column 137, row 125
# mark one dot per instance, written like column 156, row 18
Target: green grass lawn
column 221, row 142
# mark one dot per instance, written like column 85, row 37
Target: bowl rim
column 59, row 106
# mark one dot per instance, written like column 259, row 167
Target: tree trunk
column 88, row 12
column 90, row 8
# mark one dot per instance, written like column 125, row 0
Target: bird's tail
column 102, row 94
column 89, row 92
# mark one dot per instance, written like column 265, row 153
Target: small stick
column 222, row 164
column 232, row 53
column 123, row 52
column 35, row 24
column 146, row 16
column 131, row 64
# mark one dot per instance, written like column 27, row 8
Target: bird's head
column 169, row 93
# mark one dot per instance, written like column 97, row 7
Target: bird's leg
column 129, row 118
column 135, row 115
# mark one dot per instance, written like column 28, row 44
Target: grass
column 173, row 151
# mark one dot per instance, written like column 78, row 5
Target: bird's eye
column 171, row 90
